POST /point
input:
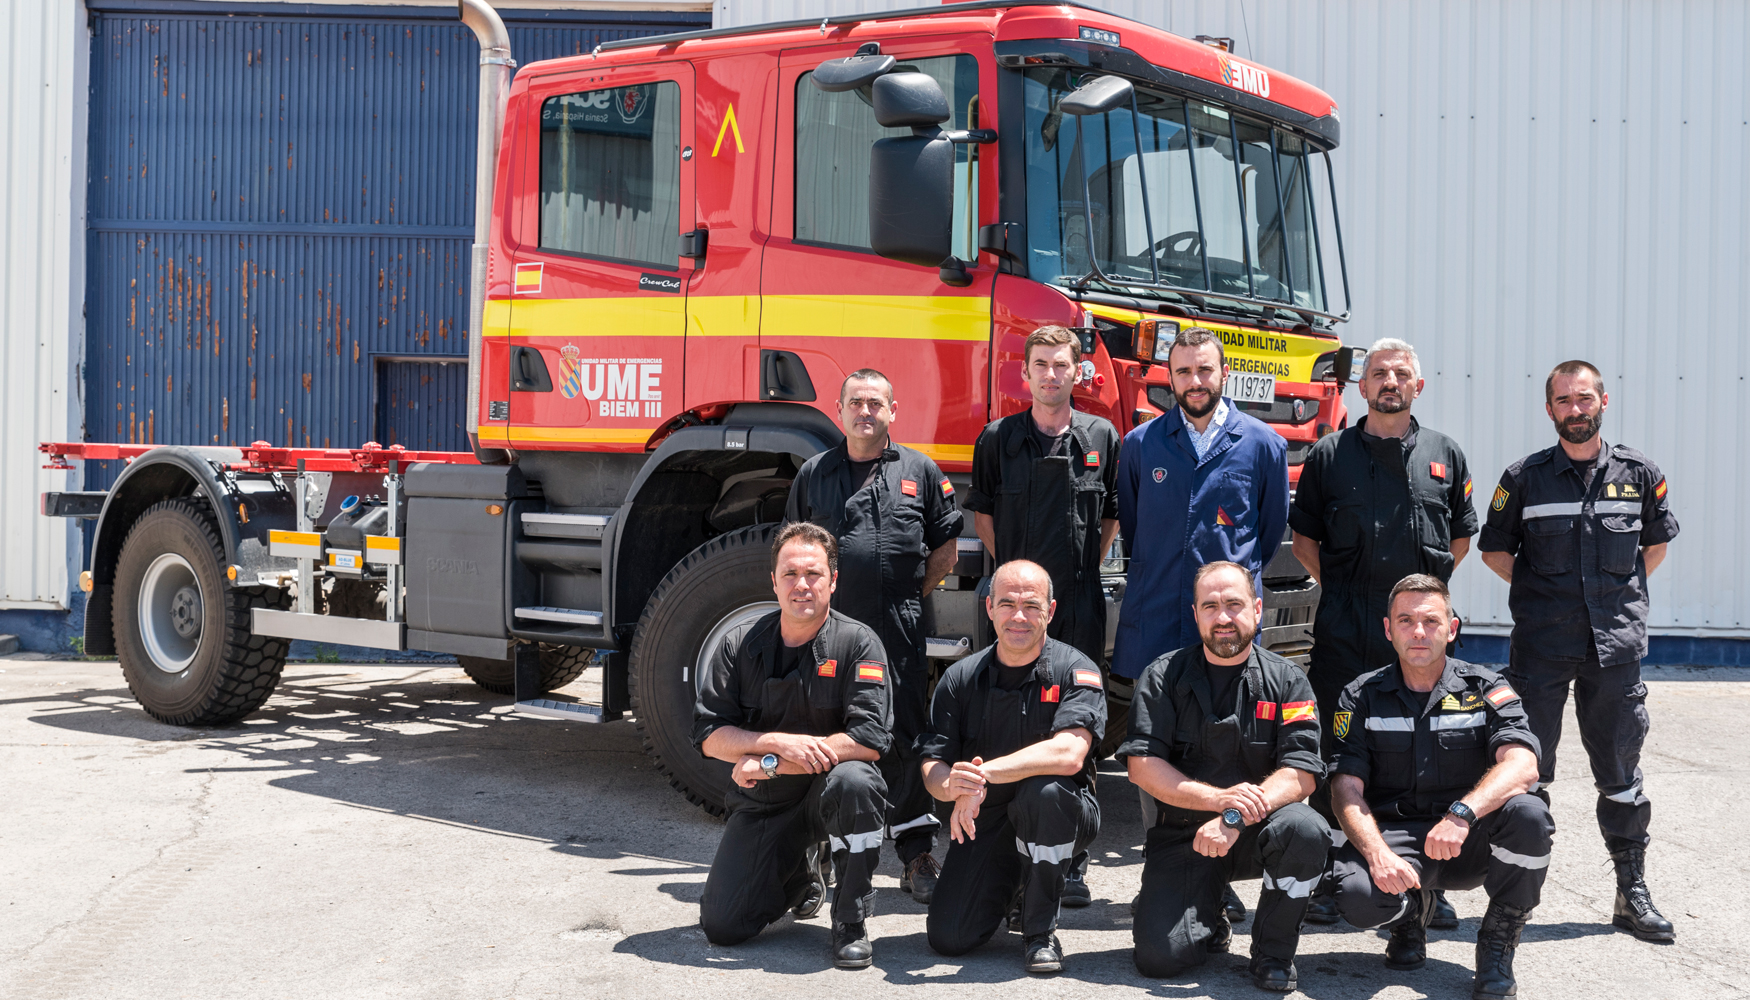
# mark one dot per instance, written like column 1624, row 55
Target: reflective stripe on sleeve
column 1468, row 720
column 1048, row 853
column 857, row 843
column 1550, row 510
column 1521, row 860
column 1382, row 725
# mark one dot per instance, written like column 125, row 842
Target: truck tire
column 560, row 665
column 182, row 633
column 721, row 584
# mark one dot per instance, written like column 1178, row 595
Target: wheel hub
column 171, row 613
column 185, row 612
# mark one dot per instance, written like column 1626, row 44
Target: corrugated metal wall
column 1523, row 183
column 277, row 202
column 41, row 172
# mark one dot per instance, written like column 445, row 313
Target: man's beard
column 1230, row 646
column 1381, row 405
column 1581, row 429
column 1208, row 408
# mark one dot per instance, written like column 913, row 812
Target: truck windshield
column 1228, row 207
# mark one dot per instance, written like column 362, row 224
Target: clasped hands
column 1215, row 838
column 967, row 782
column 811, row 753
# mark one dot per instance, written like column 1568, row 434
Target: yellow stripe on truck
column 1287, row 356
column 878, row 317
column 294, row 544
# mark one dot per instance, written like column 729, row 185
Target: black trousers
column 1506, row 852
column 911, row 815
column 1027, row 833
column 1181, row 889
column 1611, row 703
column 761, row 865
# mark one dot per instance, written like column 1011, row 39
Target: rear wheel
column 721, row 585
column 183, row 634
column 560, row 665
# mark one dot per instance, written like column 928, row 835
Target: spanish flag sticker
column 870, row 672
column 1300, row 711
column 1501, row 695
column 528, row 278
column 828, row 668
column 1222, row 518
column 1087, row 678
column 1048, row 694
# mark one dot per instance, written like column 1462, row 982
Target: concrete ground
column 393, row 831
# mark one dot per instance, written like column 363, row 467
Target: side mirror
column 1096, row 97
column 911, row 178
column 839, row 75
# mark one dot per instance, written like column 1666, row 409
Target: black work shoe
column 1075, row 885
column 1322, row 910
column 1635, row 911
column 1222, row 935
column 920, row 877
column 1230, row 901
column 1274, row 974
column 1408, row 947
column 1497, row 939
column 1445, row 918
column 1015, row 906
column 815, row 894
column 851, row 947
column 1043, row 953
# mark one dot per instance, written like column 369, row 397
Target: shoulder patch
column 1502, row 695
column 1467, row 487
column 1659, row 490
column 947, row 487
column 1340, row 724
column 1300, row 711
column 1500, row 498
column 871, row 672
column 1087, row 677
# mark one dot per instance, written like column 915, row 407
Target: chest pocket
column 1464, row 756
column 1347, row 525
column 1394, row 759
column 823, row 692
column 1619, row 542
column 1550, row 545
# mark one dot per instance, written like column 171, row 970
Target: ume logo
column 632, row 387
column 1239, row 76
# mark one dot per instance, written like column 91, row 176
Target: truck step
column 570, row 711
column 329, row 628
column 546, row 525
column 568, row 616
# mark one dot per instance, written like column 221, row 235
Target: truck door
column 598, row 303
column 830, row 306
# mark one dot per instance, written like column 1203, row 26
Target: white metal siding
column 1523, row 183
column 42, row 168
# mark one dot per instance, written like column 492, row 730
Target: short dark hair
column 1570, row 369
column 1196, row 336
column 1051, row 336
column 1419, row 583
column 808, row 533
column 1221, row 564
column 867, row 375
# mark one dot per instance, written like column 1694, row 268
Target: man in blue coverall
column 1203, row 483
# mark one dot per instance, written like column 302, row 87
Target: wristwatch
column 1232, row 819
column 1462, row 811
column 769, row 764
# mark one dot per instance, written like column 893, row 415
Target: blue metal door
column 279, row 200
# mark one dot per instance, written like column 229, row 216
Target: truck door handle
column 784, row 376
column 528, row 371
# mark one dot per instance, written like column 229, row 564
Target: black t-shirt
column 1049, row 444
column 1012, row 678
column 790, row 657
column 1585, row 469
column 1223, row 682
column 862, row 472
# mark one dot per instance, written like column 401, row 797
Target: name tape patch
column 909, row 487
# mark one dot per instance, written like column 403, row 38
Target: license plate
column 1250, row 387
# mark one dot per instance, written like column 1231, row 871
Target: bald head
column 1020, row 608
column 1023, row 572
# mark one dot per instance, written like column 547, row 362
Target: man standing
column 1575, row 530
column 1012, row 735
column 1203, row 483
column 797, row 701
column 1377, row 502
column 1432, row 777
column 1044, row 488
column 1226, row 737
column 893, row 514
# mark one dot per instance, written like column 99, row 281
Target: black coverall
column 886, row 532
column 1050, row 509
column 1028, row 831
column 1419, row 753
column 839, row 686
column 1579, row 604
column 1272, row 723
column 1380, row 509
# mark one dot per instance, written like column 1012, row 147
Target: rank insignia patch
column 828, row 668
column 1266, row 710
column 1630, row 491
column 1091, row 460
column 1300, row 711
column 1449, row 702
column 1437, row 470
column 1500, row 498
column 1088, row 678
column 1048, row 693
column 1340, row 725
column 909, row 487
column 870, row 672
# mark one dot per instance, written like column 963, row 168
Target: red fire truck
column 683, row 245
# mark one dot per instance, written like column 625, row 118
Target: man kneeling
column 797, row 702
column 1225, row 736
column 1432, row 777
column 1013, row 729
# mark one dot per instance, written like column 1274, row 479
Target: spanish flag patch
column 1087, row 678
column 870, row 672
column 1659, row 490
column 947, row 487
column 1501, row 695
column 828, row 668
column 1467, row 489
column 1300, row 711
column 1048, row 693
column 1222, row 518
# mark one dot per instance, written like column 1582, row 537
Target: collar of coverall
column 816, row 645
column 1078, row 423
column 1041, row 666
column 1562, row 463
column 1449, row 683
column 840, row 454
column 1252, row 674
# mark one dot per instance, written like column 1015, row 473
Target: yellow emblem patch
column 1340, row 725
column 1449, row 702
column 1500, row 497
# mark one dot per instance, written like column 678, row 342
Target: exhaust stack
column 496, row 67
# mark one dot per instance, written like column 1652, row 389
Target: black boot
column 815, row 895
column 1497, row 939
column 1322, row 907
column 851, row 947
column 1230, row 901
column 1445, row 918
column 1042, row 954
column 1408, row 947
column 1635, row 911
column 1075, row 884
column 1221, row 936
column 1274, row 974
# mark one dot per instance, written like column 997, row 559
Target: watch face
column 1232, row 818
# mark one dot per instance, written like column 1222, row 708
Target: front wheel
column 720, row 586
column 183, row 635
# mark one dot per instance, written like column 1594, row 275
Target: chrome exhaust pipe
column 496, row 68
